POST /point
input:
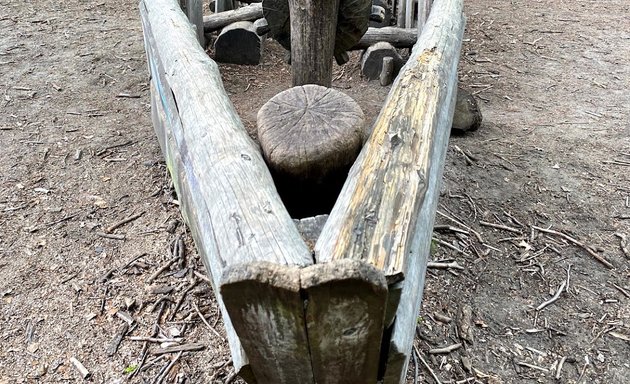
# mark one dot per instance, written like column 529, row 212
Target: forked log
column 384, row 214
column 225, row 191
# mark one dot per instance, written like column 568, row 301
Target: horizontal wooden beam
column 226, row 193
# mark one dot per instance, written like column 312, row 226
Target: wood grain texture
column 225, row 190
column 345, row 309
column 309, row 131
column 193, row 9
column 398, row 37
column 376, row 215
column 267, row 310
column 219, row 20
column 313, row 25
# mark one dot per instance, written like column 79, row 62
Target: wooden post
column 424, row 9
column 193, row 9
column 313, row 30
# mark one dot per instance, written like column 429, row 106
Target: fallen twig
column 438, row 265
column 206, row 322
column 426, row 365
column 110, row 236
column 168, row 368
column 524, row 364
column 500, row 226
column 118, row 338
column 559, row 367
column 578, row 243
column 450, row 246
column 162, row 269
column 122, row 222
column 625, row 293
column 554, row 298
column 180, row 348
column 624, row 244
column 448, row 349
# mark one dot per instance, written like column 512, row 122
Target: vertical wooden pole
column 424, row 8
column 313, row 29
column 400, row 13
column 409, row 13
column 193, row 9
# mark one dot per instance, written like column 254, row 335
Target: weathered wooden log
column 385, row 212
column 238, row 43
column 233, row 211
column 345, row 309
column 467, row 116
column 261, row 26
column 310, row 137
column 372, row 60
column 313, row 27
column 217, row 21
column 267, row 310
column 387, row 71
column 398, row 37
column 193, row 9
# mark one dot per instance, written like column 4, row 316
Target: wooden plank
column 193, row 9
column 225, row 190
column 375, row 216
column 313, row 30
column 267, row 310
column 345, row 309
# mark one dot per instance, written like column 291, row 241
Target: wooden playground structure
column 344, row 311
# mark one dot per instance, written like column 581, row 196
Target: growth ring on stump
column 310, row 136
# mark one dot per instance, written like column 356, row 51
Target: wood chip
column 80, row 367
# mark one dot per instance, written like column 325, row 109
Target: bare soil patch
column 79, row 155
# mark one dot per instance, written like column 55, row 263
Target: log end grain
column 238, row 43
column 372, row 60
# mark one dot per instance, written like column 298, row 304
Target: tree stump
column 310, row 136
column 372, row 61
column 238, row 43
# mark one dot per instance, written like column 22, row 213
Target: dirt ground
column 79, row 155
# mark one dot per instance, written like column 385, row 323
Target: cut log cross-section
column 310, row 136
column 238, row 43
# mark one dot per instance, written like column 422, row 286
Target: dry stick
column 586, row 363
column 578, row 243
column 415, row 368
column 449, row 349
column 477, row 235
column 168, row 368
column 450, row 228
column 162, row 269
column 182, row 298
column 554, row 298
column 203, row 277
column 625, row 293
column 426, row 365
column 524, row 364
column 180, row 348
column 447, row 245
column 559, row 368
column 499, row 226
column 122, row 222
column 82, row 370
column 624, row 244
column 206, row 322
column 437, row 265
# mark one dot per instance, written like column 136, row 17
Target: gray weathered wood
column 193, row 9
column 345, row 309
column 224, row 5
column 310, row 136
column 375, row 216
column 398, row 37
column 308, row 131
column 313, row 29
column 401, row 9
column 267, row 310
column 372, row 60
column 233, row 210
column 238, row 43
column 217, row 21
column 443, row 33
column 387, row 71
column 409, row 16
column 424, row 9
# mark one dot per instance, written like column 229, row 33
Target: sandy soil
column 79, row 155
